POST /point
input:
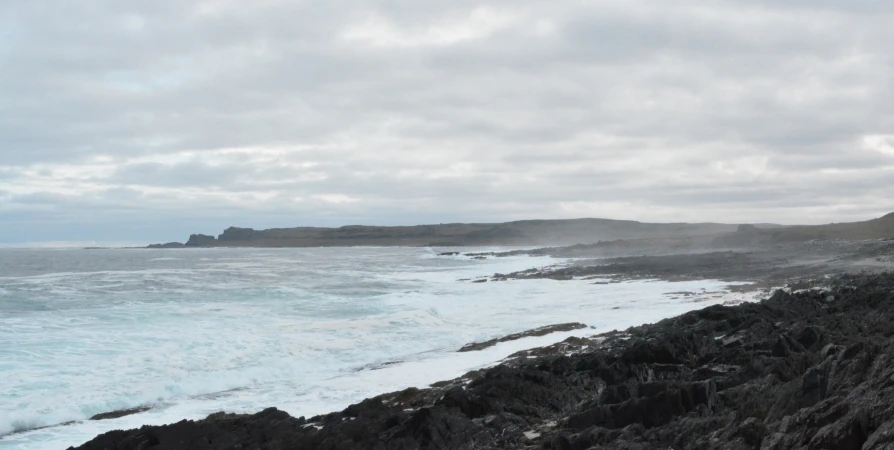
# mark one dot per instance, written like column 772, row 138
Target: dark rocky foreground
column 809, row 370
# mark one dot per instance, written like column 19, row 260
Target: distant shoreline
column 543, row 233
column 518, row 233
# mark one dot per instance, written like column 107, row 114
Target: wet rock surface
column 541, row 331
column 120, row 413
column 805, row 370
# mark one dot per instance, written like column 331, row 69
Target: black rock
column 541, row 331
column 120, row 413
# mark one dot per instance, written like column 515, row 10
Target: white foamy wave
column 306, row 330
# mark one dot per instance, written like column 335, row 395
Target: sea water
column 189, row 332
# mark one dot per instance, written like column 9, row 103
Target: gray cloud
column 172, row 115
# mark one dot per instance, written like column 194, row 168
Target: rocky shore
column 811, row 369
column 761, row 266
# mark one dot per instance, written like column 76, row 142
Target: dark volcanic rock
column 120, row 413
column 542, row 331
column 796, row 371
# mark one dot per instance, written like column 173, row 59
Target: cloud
column 160, row 118
column 881, row 143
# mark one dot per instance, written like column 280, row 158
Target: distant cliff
column 544, row 233
column 526, row 232
column 749, row 236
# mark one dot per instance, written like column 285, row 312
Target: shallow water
column 190, row 332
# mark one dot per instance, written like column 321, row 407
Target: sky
column 145, row 121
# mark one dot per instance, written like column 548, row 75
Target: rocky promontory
column 810, row 369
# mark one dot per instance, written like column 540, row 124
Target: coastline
column 802, row 266
column 589, row 235
column 797, row 369
column 534, row 304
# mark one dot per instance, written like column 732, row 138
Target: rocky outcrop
column 541, row 331
column 806, row 370
column 715, row 265
column 201, row 240
column 120, row 413
column 236, row 234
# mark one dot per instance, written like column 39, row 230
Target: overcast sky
column 144, row 121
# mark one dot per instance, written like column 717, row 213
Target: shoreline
column 470, row 347
column 747, row 376
column 800, row 266
column 532, row 337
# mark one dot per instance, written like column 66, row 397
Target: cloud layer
column 145, row 121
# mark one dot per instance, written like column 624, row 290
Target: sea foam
column 191, row 332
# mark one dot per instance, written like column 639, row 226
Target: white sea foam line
column 353, row 387
column 63, row 275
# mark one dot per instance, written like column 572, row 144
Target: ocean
column 190, row 332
